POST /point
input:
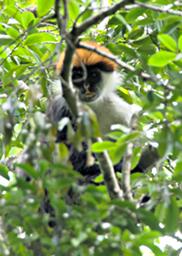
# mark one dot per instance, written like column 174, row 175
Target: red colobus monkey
column 95, row 78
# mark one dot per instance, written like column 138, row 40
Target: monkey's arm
column 57, row 110
column 148, row 159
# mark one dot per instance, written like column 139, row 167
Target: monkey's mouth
column 88, row 96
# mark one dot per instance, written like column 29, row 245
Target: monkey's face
column 88, row 82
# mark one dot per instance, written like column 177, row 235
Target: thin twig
column 163, row 9
column 81, row 14
column 107, row 55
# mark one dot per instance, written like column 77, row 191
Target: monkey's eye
column 94, row 74
column 77, row 74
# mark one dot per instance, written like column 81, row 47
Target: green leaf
column 124, row 47
column 121, row 20
column 166, row 141
column 63, row 151
column 101, row 146
column 161, row 58
column 4, row 171
column 38, row 38
column 178, row 172
column 135, row 157
column 24, row 54
column 168, row 42
column 74, row 9
column 128, row 137
column 180, row 43
column 124, row 93
column 149, row 219
column 27, row 168
column 5, row 40
column 172, row 216
column 160, row 211
column 12, row 11
column 117, row 153
column 44, row 6
column 12, row 32
column 134, row 13
column 135, row 34
column 27, row 18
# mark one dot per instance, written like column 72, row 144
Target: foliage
column 151, row 41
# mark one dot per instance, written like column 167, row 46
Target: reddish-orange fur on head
column 87, row 57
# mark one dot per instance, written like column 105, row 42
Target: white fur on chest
column 111, row 109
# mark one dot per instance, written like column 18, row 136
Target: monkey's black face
column 88, row 82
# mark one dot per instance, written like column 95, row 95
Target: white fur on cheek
column 110, row 81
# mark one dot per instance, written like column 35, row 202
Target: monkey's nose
column 87, row 91
column 86, row 86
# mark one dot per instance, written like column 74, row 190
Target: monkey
column 96, row 85
column 95, row 79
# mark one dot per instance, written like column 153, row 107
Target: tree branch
column 107, row 55
column 77, row 31
column 126, row 165
column 57, row 14
column 65, row 16
column 126, row 169
column 61, row 20
column 65, row 75
column 109, row 175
